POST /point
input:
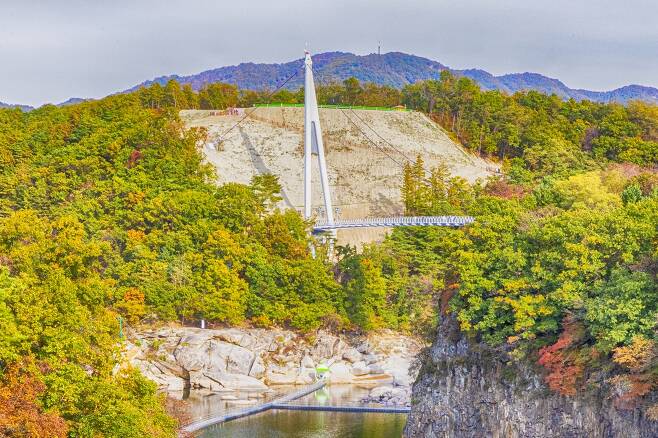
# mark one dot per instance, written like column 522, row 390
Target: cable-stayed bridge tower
column 313, row 144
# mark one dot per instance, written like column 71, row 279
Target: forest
column 531, row 126
column 109, row 217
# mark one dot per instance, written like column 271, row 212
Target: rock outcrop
column 468, row 390
column 252, row 360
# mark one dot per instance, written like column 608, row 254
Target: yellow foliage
column 132, row 305
column 135, row 198
column 135, row 235
column 587, row 190
column 635, row 356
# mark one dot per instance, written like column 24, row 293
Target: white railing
column 395, row 221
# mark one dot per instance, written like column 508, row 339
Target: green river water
column 304, row 424
column 311, row 424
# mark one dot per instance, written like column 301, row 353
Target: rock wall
column 467, row 390
column 235, row 359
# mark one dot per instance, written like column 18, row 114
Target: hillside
column 364, row 180
column 395, row 69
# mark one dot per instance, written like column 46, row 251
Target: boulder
column 192, row 356
column 225, row 357
column 351, row 355
column 376, row 369
column 363, row 348
column 195, row 337
column 373, row 380
column 324, row 346
column 236, row 337
column 172, row 369
column 151, row 372
column 306, row 376
column 289, row 378
column 339, row 348
column 173, row 383
column 239, row 382
column 370, row 358
column 380, row 391
column 307, row 362
column 257, row 368
column 360, row 369
column 240, row 360
column 340, row 372
column 398, row 367
column 199, row 381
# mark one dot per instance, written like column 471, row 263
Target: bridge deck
column 330, row 408
column 395, row 221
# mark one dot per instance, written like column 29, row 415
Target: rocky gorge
column 237, row 361
column 466, row 389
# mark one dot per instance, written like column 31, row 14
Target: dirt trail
column 365, row 180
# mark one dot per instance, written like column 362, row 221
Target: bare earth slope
column 365, row 179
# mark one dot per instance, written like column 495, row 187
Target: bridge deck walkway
column 395, row 221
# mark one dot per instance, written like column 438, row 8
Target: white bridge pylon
column 313, row 144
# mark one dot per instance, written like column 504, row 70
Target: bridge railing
column 395, row 221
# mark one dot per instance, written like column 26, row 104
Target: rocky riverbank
column 236, row 360
column 469, row 390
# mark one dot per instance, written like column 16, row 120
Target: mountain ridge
column 4, row 105
column 396, row 69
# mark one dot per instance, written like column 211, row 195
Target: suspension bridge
column 314, row 150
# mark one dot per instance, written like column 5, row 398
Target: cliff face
column 468, row 390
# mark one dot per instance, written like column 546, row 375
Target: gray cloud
column 52, row 50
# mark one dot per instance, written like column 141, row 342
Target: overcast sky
column 53, row 50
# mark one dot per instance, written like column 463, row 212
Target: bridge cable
column 377, row 145
column 381, row 148
column 382, row 138
column 374, row 143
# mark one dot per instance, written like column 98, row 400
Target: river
column 303, row 424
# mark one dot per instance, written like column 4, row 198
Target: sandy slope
column 365, row 179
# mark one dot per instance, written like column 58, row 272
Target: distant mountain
column 73, row 101
column 26, row 108
column 395, row 69
column 13, row 105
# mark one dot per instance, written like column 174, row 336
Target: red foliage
column 20, row 412
column 503, row 189
column 135, row 156
column 630, row 389
column 560, row 362
column 629, row 170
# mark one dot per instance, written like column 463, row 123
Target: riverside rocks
column 252, row 360
column 388, row 395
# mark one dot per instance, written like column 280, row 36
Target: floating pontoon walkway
column 361, row 409
column 399, row 221
column 206, row 422
column 283, row 403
